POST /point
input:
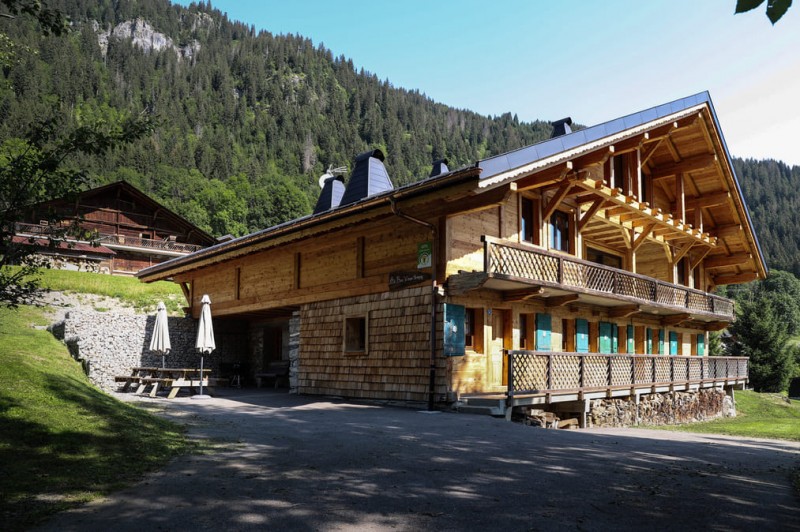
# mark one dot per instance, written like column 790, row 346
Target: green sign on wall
column 424, row 255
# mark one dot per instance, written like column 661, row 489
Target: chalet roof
column 493, row 172
column 144, row 199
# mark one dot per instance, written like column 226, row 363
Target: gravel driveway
column 295, row 463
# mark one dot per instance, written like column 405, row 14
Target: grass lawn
column 142, row 296
column 62, row 441
column 758, row 415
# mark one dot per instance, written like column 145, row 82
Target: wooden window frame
column 535, row 225
column 569, row 216
column 351, row 324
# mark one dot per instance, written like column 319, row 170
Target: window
column 601, row 257
column 682, row 267
column 609, row 341
column 630, row 338
column 618, row 179
column 528, row 233
column 559, row 231
column 473, row 329
column 673, row 343
column 701, row 344
column 523, row 331
column 355, row 334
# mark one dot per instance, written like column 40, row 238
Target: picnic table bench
column 173, row 378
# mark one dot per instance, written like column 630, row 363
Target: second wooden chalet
column 579, row 267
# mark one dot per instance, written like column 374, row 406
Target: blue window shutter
column 631, row 342
column 614, row 338
column 673, row 343
column 605, row 337
column 701, row 344
column 582, row 336
column 661, row 349
column 649, row 345
column 543, row 332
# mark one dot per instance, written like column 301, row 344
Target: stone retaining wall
column 661, row 409
column 110, row 344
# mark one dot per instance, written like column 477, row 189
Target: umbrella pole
column 201, row 374
column 163, row 361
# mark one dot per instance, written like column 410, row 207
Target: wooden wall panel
column 465, row 231
column 266, row 272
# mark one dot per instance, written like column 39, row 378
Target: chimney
column 439, row 167
column 561, row 127
column 369, row 177
column 331, row 195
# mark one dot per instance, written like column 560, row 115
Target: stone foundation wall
column 661, row 409
column 110, row 344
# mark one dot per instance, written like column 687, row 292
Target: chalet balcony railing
column 117, row 240
column 537, row 372
column 514, row 260
column 147, row 243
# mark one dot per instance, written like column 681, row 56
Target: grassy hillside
column 142, row 297
column 62, row 441
column 759, row 415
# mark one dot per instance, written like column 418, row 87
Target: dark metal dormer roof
column 561, row 127
column 369, row 177
column 439, row 167
column 331, row 195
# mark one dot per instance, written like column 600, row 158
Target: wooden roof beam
column 736, row 278
column 715, row 325
column 624, row 312
column 594, row 158
column 556, row 200
column 697, row 260
column 523, row 294
column 587, row 215
column 730, row 260
column 671, row 321
column 545, row 177
column 724, row 231
column 690, row 164
column 708, row 200
column 560, row 301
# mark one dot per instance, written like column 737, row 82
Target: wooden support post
column 680, row 197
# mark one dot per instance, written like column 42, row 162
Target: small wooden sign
column 399, row 280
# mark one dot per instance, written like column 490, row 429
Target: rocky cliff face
column 142, row 35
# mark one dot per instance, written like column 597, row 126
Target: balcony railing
column 147, row 243
column 117, row 240
column 537, row 372
column 511, row 260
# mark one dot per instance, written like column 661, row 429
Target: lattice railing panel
column 530, row 370
column 595, row 371
column 566, row 372
column 620, row 370
column 573, row 274
column 695, row 365
column 599, row 279
column 520, row 263
column 722, row 306
column 662, row 369
column 628, row 285
column 695, row 301
column 679, row 365
column 530, row 373
column 644, row 370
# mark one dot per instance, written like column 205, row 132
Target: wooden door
column 500, row 339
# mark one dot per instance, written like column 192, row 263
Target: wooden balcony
column 541, row 377
column 162, row 247
column 523, row 271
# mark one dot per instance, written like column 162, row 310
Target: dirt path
column 289, row 463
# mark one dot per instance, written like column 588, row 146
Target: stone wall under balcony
column 672, row 408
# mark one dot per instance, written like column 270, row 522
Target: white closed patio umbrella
column 159, row 341
column 205, row 338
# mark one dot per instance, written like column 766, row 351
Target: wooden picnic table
column 174, row 378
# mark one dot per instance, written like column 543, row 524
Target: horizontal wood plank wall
column 464, row 235
column 396, row 365
column 328, row 268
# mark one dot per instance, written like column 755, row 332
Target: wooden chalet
column 128, row 231
column 582, row 266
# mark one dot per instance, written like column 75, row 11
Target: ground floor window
column 355, row 334
column 473, row 329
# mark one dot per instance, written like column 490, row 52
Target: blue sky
column 593, row 61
